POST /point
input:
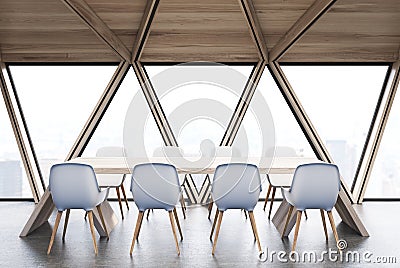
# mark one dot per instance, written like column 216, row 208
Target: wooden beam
column 90, row 18
column 391, row 87
column 243, row 104
column 21, row 133
column 44, row 209
column 344, row 204
column 398, row 54
column 254, row 27
column 316, row 10
column 154, row 105
column 362, row 163
column 144, row 29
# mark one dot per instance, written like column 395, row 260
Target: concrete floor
column 236, row 247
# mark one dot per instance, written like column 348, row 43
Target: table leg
column 110, row 219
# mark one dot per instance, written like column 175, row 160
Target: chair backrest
column 73, row 185
column 236, row 185
column 315, row 185
column 155, row 185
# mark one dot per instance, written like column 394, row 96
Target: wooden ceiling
column 199, row 30
column 193, row 30
column 367, row 30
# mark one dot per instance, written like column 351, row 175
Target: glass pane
column 385, row 178
column 57, row 101
column 110, row 131
column 13, row 180
column 288, row 134
column 340, row 101
column 287, row 131
column 198, row 101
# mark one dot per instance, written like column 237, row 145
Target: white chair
column 314, row 186
column 173, row 151
column 74, row 186
column 113, row 180
column 236, row 186
column 221, row 151
column 155, row 186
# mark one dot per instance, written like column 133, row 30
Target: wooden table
column 191, row 165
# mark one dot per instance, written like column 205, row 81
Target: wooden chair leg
column 123, row 193
column 177, row 223
column 213, row 226
column 65, row 224
column 120, row 203
column 183, row 207
column 221, row 213
column 210, row 206
column 330, row 216
column 266, row 198
column 296, row 231
column 85, row 215
column 305, row 214
column 254, row 227
column 171, row 219
column 324, row 223
column 136, row 233
column 272, row 202
column 53, row 235
column 90, row 215
column 102, row 221
column 245, row 214
column 287, row 220
column 140, row 227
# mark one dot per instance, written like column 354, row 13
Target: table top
column 193, row 165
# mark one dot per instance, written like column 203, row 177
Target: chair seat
column 109, row 180
column 280, row 180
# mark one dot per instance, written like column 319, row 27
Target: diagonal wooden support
column 144, row 29
column 243, row 104
column 97, row 25
column 316, row 10
column 391, row 87
column 344, row 204
column 255, row 28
